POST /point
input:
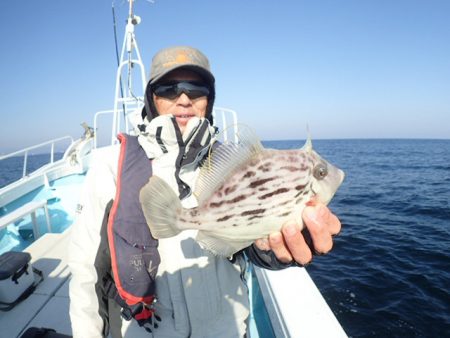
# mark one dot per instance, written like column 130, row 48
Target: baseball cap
column 169, row 59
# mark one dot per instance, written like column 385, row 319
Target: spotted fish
column 244, row 192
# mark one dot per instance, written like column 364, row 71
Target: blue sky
column 348, row 69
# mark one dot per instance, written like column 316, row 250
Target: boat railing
column 26, row 151
column 224, row 118
column 96, row 123
column 128, row 126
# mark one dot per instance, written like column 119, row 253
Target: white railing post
column 25, row 159
column 51, row 152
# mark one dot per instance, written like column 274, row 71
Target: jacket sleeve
column 265, row 259
column 88, row 307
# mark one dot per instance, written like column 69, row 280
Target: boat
column 37, row 210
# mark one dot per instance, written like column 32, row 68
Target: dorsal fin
column 223, row 162
column 308, row 144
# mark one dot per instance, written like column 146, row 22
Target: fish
column 244, row 192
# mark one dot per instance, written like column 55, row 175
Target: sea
column 388, row 274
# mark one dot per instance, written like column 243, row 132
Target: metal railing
column 221, row 119
column 25, row 151
column 96, row 116
column 224, row 118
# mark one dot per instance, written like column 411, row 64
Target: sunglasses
column 193, row 90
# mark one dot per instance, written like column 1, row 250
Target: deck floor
column 48, row 306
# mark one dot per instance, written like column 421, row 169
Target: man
column 116, row 264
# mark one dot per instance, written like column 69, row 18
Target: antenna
column 130, row 62
column 130, row 13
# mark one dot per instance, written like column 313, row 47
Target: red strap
column 145, row 314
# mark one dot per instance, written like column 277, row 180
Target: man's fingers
column 291, row 244
column 296, row 243
column 334, row 224
column 321, row 227
column 279, row 248
column 262, row 244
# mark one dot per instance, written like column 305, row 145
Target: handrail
column 40, row 145
column 221, row 117
column 224, row 122
column 96, row 115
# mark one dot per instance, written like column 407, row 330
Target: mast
column 130, row 62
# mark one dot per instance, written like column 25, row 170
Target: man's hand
column 291, row 244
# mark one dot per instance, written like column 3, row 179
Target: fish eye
column 320, row 171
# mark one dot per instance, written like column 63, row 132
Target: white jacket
column 199, row 294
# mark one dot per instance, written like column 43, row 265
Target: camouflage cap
column 169, row 59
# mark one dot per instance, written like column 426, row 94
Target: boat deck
column 48, row 306
column 284, row 303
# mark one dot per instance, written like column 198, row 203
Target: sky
column 347, row 69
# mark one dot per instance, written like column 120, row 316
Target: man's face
column 182, row 107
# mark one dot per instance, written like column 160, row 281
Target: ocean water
column 11, row 169
column 389, row 272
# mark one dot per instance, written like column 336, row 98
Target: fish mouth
column 313, row 200
column 319, row 198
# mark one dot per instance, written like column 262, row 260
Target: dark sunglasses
column 171, row 91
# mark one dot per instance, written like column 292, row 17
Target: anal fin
column 218, row 246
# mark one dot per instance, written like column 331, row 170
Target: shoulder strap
column 133, row 251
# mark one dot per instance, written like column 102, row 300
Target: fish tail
column 161, row 207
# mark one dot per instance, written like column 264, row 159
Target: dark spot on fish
column 224, row 218
column 254, row 217
column 298, row 200
column 276, row 192
column 253, row 212
column 237, row 199
column 301, row 190
column 285, row 214
column 235, row 225
column 231, row 189
column 265, row 167
column 249, row 174
column 216, row 204
column 263, row 189
column 260, row 182
column 290, row 168
column 284, row 203
column 194, row 212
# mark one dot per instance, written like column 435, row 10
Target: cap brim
column 205, row 74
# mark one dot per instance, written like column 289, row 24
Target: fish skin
column 263, row 191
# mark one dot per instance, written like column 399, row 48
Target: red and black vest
column 134, row 252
